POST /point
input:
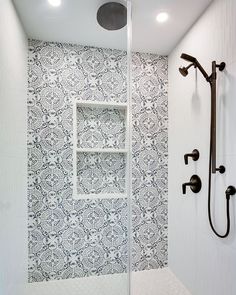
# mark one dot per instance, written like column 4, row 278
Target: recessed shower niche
column 100, row 149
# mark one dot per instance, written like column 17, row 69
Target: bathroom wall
column 69, row 238
column 204, row 263
column 13, row 152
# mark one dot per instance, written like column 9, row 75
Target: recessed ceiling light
column 55, row 2
column 162, row 17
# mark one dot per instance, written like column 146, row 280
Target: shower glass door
column 76, row 204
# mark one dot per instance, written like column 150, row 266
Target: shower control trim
column 195, row 184
column 194, row 155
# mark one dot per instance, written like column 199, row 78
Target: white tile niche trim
column 76, row 149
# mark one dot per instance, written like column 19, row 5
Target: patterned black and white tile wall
column 101, row 173
column 101, row 128
column 75, row 238
column 149, row 155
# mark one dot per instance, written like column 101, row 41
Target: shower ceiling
column 75, row 21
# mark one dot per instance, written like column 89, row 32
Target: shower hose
column 209, row 198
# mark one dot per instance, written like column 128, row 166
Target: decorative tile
column 150, row 134
column 101, row 128
column 76, row 238
column 100, row 173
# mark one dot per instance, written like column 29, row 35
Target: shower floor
column 157, row 282
column 151, row 282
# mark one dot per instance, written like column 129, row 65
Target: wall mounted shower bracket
column 231, row 191
column 221, row 169
column 212, row 82
column 221, row 66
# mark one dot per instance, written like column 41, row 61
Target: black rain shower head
column 112, row 16
column 194, row 61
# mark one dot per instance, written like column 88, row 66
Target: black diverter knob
column 194, row 155
column 195, row 184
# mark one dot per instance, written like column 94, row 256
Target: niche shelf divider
column 106, row 150
column 96, row 150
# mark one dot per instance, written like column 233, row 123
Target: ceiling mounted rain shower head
column 112, row 16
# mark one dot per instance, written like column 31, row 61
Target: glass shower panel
column 78, row 113
column 149, row 71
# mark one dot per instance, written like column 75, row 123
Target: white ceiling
column 75, row 21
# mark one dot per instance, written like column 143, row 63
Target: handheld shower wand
column 196, row 64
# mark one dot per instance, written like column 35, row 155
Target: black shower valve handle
column 184, row 186
column 195, row 184
column 194, row 155
column 186, row 158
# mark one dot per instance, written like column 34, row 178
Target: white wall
column 204, row 263
column 13, row 153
